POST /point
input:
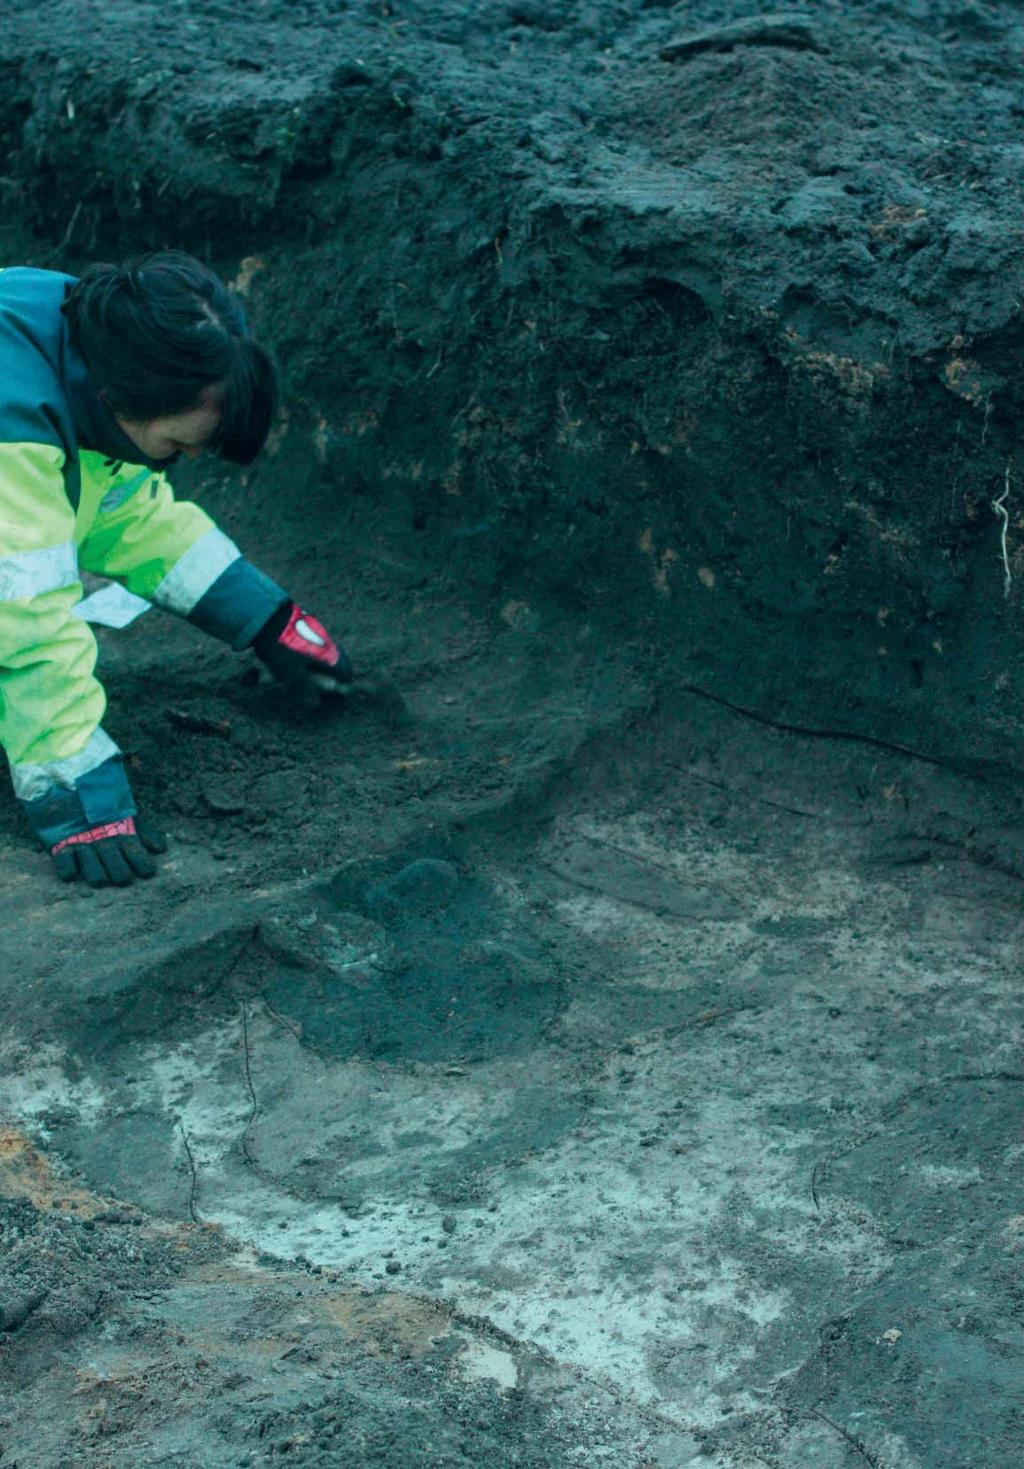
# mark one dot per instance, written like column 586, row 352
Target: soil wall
column 703, row 321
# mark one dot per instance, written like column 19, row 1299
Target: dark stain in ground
column 940, row 1337
column 448, row 971
column 940, row 1162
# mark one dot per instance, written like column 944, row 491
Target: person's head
column 167, row 347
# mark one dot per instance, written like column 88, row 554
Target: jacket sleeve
column 170, row 552
column 50, row 703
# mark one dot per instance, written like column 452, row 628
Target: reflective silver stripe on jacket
column 120, row 493
column 31, row 781
column 29, row 573
column 195, row 573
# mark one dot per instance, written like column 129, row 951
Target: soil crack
column 855, row 1443
column 941, row 762
column 194, row 1185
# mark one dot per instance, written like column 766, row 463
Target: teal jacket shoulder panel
column 33, row 403
column 47, row 396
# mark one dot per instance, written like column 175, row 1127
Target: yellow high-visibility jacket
column 75, row 493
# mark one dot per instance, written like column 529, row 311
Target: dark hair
column 156, row 332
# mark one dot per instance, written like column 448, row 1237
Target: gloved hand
column 114, row 853
column 91, row 829
column 300, row 653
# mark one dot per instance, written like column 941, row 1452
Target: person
column 105, row 380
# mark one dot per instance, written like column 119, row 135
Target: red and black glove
column 300, row 653
column 117, row 853
column 92, row 830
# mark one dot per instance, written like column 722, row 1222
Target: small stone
column 449, row 1224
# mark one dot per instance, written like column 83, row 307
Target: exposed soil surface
column 614, row 1057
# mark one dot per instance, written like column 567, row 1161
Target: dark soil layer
column 652, row 386
column 724, row 345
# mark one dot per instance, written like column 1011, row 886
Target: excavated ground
column 615, row 1060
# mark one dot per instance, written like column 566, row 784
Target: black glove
column 114, row 853
column 300, row 653
column 91, row 828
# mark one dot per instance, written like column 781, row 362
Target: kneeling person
column 106, row 381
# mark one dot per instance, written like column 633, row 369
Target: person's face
column 185, row 433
